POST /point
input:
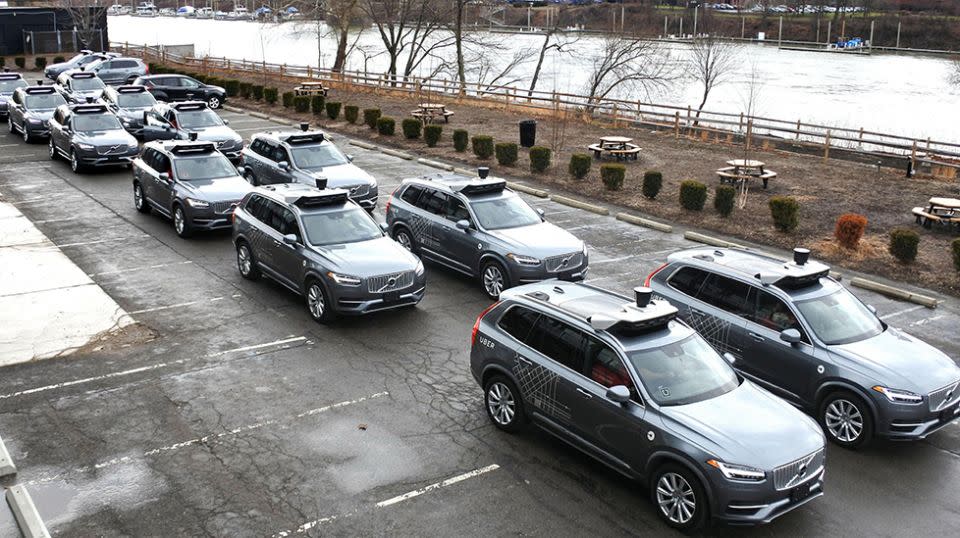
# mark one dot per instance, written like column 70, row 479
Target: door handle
column 584, row 393
column 756, row 336
column 523, row 360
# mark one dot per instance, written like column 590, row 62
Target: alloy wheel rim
column 251, row 179
column 26, row 133
column 243, row 260
column 178, row 220
column 315, row 301
column 500, row 403
column 675, row 498
column 214, row 102
column 53, row 152
column 404, row 240
column 74, row 165
column 844, row 420
column 138, row 196
column 493, row 280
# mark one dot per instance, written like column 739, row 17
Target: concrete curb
column 896, row 293
column 435, row 164
column 234, row 109
column 599, row 210
column 707, row 240
column 362, row 144
column 395, row 153
column 540, row 193
column 639, row 221
column 465, row 172
column 260, row 115
column 7, row 468
column 26, row 513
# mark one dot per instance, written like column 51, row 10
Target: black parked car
column 182, row 88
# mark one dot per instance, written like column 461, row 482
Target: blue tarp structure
column 291, row 9
column 262, row 10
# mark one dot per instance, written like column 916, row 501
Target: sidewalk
column 48, row 306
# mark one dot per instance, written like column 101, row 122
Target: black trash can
column 528, row 133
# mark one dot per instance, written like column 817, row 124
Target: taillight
column 476, row 326
column 387, row 208
column 646, row 282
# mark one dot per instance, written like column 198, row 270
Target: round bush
column 318, row 105
column 482, row 146
column 3, row 62
column 370, row 117
column 460, row 139
column 785, row 212
column 693, row 195
column 257, row 91
column 612, row 176
column 723, row 199
column 270, row 95
column 333, row 109
column 232, row 87
column 411, row 127
column 903, row 244
column 244, row 88
column 40, row 62
column 506, row 153
column 57, row 60
column 579, row 165
column 539, row 159
column 386, row 125
column 431, row 133
column 301, row 103
column 287, row 99
column 955, row 250
column 652, row 183
column 351, row 113
column 20, row 61
column 849, row 229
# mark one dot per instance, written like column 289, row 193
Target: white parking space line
column 99, row 241
column 438, row 485
column 181, row 305
column 309, row 525
column 902, row 312
column 142, row 268
column 283, row 343
column 924, row 321
column 610, row 260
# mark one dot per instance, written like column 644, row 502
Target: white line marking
column 147, row 368
column 168, row 307
column 438, row 485
column 926, row 320
column 902, row 312
column 308, row 525
column 142, row 268
column 610, row 260
column 98, row 241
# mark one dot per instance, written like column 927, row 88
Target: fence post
column 826, row 147
column 740, row 127
column 913, row 157
column 798, row 129
column 676, row 124
column 860, row 143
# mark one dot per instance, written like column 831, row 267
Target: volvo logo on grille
column 802, row 470
column 565, row 261
column 391, row 282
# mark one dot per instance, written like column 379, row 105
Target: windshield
column 349, row 225
column 43, row 101
column 207, row 167
column 96, row 122
column 839, row 318
column 683, row 372
column 84, row 84
column 7, row 86
column 88, row 59
column 505, row 212
column 194, row 119
column 76, row 58
column 135, row 100
column 315, row 157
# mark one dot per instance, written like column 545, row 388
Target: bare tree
column 339, row 14
column 554, row 41
column 491, row 67
column 750, row 99
column 86, row 16
column 409, row 27
column 631, row 62
column 712, row 60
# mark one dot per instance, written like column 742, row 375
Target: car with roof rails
column 80, row 86
column 795, row 330
column 90, row 136
column 190, row 182
column 631, row 385
column 118, row 70
column 129, row 103
column 479, row 227
column 9, row 82
column 171, row 88
column 178, row 121
column 83, row 58
column 29, row 111
column 303, row 157
column 324, row 246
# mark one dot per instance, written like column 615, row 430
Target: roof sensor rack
column 330, row 197
column 643, row 315
column 182, row 147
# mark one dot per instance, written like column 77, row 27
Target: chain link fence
column 52, row 42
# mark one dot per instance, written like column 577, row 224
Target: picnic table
column 939, row 210
column 621, row 147
column 311, row 89
column 741, row 170
column 428, row 112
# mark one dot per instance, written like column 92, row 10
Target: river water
column 909, row 95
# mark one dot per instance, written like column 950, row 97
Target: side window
column 257, row 146
column 124, row 64
column 455, row 210
column 411, row 193
column 274, row 215
column 433, row 201
column 688, row 280
column 517, row 322
column 149, row 158
column 105, row 65
column 773, row 313
column 726, row 294
column 288, row 224
column 58, row 116
column 604, row 365
column 267, row 150
column 253, row 206
column 280, row 154
column 558, row 341
column 163, row 164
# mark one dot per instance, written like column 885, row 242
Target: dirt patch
column 119, row 338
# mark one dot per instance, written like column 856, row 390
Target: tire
column 846, row 419
column 140, row 199
column 678, row 497
column 318, row 302
column 405, row 238
column 214, row 102
column 27, row 139
column 251, row 178
column 504, row 404
column 494, row 279
column 180, row 223
column 75, row 164
column 246, row 263
column 10, row 126
column 53, row 150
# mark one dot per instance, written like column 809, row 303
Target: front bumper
column 367, row 201
column 913, row 422
column 523, row 274
column 355, row 301
column 756, row 504
column 39, row 130
column 208, row 219
column 93, row 158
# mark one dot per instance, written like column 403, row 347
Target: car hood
column 83, row 94
column 900, row 361
column 223, row 189
column 218, row 133
column 341, row 175
column 40, row 114
column 132, row 113
column 749, row 426
column 369, row 258
column 106, row 138
column 541, row 240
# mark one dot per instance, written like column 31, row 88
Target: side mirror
column 290, row 239
column 284, row 165
column 241, row 169
column 463, row 224
column 384, row 226
column 226, row 122
column 542, row 214
column 350, row 157
column 791, row 336
column 164, row 176
column 619, row 394
column 729, row 358
column 872, row 309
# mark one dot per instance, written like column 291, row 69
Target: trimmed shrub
column 723, row 199
column 903, row 244
column 256, row 91
column 3, row 62
column 785, row 212
column 849, row 229
column 693, row 195
column 506, row 153
column 412, row 127
column 652, row 183
column 61, row 59
column 482, row 146
column 539, row 159
column 460, row 139
column 232, row 87
column 351, row 113
column 579, row 165
column 245, row 88
column 270, row 95
column 431, row 133
column 370, row 117
column 203, row 78
column 318, row 105
column 301, row 103
column 287, row 99
column 955, row 249
column 386, row 125
column 40, row 62
column 333, row 109
column 612, row 176
column 20, row 61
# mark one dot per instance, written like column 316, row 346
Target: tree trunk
column 458, row 36
column 341, row 59
column 536, row 72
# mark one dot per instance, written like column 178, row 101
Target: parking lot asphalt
column 243, row 417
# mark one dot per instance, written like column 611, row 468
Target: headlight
column 87, row 147
column 524, row 260
column 344, row 280
column 419, row 268
column 584, row 248
column 899, row 396
column 199, row 204
column 740, row 473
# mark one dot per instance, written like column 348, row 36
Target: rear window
column 688, row 280
column 410, row 194
column 517, row 322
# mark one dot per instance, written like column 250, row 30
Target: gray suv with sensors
column 129, row 103
column 30, row 109
column 480, row 228
column 117, row 70
column 9, row 82
column 90, row 136
column 325, row 247
column 178, row 121
column 304, row 157
column 83, row 58
column 80, row 87
column 640, row 391
column 796, row 331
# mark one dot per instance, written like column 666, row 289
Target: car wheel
column 402, row 235
column 318, row 304
column 75, row 162
column 10, row 126
column 494, row 279
column 679, row 497
column 53, row 150
column 180, row 224
column 140, row 199
column 246, row 263
column 504, row 404
column 251, row 178
column 26, row 134
column 846, row 419
column 214, row 102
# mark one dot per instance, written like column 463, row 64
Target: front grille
column 796, row 472
column 564, row 262
column 940, row 399
column 390, row 282
column 358, row 190
column 224, row 207
column 119, row 149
